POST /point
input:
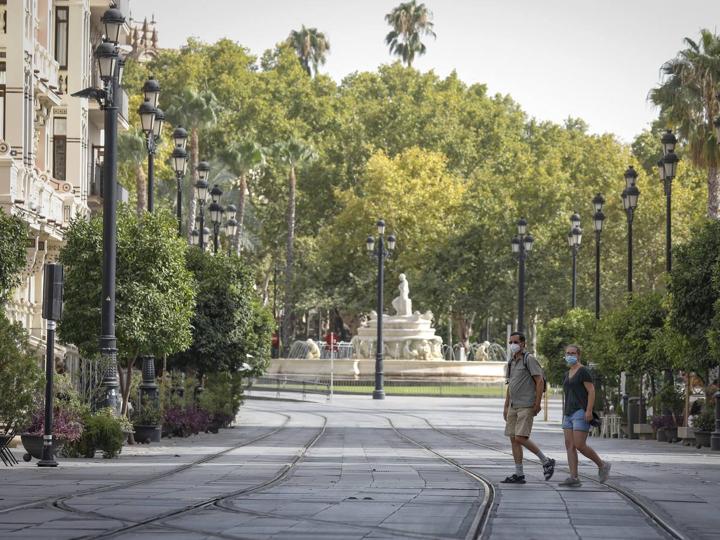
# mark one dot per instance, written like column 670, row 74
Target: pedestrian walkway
column 357, row 468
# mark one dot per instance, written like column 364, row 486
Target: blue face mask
column 570, row 360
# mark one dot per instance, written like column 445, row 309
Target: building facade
column 51, row 144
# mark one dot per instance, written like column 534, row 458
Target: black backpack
column 525, row 363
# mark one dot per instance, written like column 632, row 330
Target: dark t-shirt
column 576, row 394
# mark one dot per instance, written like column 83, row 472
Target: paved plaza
column 406, row 467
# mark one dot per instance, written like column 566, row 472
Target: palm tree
column 195, row 111
column 291, row 154
column 132, row 151
column 687, row 100
column 409, row 22
column 311, row 47
column 243, row 159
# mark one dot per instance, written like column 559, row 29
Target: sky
column 589, row 59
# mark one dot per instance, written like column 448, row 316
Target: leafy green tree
column 409, row 22
column 311, row 47
column 20, row 375
column 688, row 101
column 154, row 291
column 13, row 235
column 695, row 291
column 576, row 327
column 291, row 154
column 224, row 323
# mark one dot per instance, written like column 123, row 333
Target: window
column 61, row 36
column 59, row 148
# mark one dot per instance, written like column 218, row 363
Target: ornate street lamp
column 108, row 63
column 574, row 239
column 521, row 245
column 201, row 191
column 668, row 169
column 630, row 197
column 152, row 119
column 151, row 90
column 598, row 219
column 179, row 160
column 378, row 250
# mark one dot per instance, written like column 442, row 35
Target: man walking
column 522, row 403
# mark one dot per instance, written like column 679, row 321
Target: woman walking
column 579, row 392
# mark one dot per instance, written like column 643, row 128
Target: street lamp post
column 216, row 215
column 110, row 69
column 598, row 219
column 201, row 191
column 574, row 239
column 668, row 168
column 630, row 196
column 231, row 227
column 179, row 159
column 521, row 246
column 379, row 251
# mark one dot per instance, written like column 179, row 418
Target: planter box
column 34, row 446
column 687, row 434
column 702, row 438
column 661, row 435
column 147, row 434
column 644, row 431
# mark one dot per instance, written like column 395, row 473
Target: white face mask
column 514, row 348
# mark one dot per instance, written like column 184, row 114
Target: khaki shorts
column 519, row 421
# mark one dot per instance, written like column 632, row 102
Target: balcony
column 47, row 70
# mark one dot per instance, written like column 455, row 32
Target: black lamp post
column 231, row 227
column 574, row 239
column 598, row 219
column 630, row 196
column 152, row 119
column 201, row 191
column 668, row 168
column 381, row 253
column 109, row 67
column 216, row 215
column 179, row 160
column 521, row 246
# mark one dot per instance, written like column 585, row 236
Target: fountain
column 412, row 351
column 406, row 335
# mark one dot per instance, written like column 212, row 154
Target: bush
column 185, row 421
column 705, row 421
column 20, row 374
column 67, row 424
column 103, row 431
column 147, row 413
column 222, row 398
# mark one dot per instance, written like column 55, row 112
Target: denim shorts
column 576, row 421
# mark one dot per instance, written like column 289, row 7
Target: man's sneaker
column 570, row 482
column 604, row 471
column 514, row 479
column 549, row 469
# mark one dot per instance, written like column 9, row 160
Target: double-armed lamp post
column 110, row 67
column 377, row 248
column 152, row 119
column 630, row 196
column 521, row 246
column 179, row 159
column 667, row 167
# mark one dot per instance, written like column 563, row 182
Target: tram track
column 205, row 503
column 660, row 522
column 153, row 478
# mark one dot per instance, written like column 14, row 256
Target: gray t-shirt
column 521, row 385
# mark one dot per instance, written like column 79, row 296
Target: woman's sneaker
column 549, row 469
column 514, row 479
column 570, row 482
column 604, row 471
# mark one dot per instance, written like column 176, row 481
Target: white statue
column 313, row 350
column 402, row 303
column 423, row 350
column 409, row 353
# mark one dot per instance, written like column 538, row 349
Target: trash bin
column 633, row 415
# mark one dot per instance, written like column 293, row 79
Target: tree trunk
column 289, row 259
column 266, row 289
column 141, row 186
column 194, row 160
column 714, row 193
column 125, row 384
column 241, row 212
